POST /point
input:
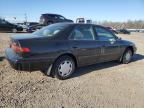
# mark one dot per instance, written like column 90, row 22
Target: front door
column 111, row 48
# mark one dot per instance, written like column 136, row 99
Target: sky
column 97, row 10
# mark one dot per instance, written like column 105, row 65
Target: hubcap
column 128, row 56
column 65, row 68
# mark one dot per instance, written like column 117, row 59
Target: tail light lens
column 19, row 49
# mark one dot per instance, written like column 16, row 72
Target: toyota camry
column 58, row 49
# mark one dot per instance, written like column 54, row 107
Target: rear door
column 84, row 45
column 110, row 44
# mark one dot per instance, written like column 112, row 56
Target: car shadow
column 137, row 57
column 2, row 58
column 87, row 69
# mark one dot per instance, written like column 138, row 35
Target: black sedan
column 6, row 26
column 59, row 49
column 33, row 28
column 123, row 31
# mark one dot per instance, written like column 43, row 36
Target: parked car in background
column 141, row 30
column 123, row 31
column 113, row 30
column 83, row 20
column 31, row 23
column 80, row 20
column 25, row 25
column 88, row 21
column 47, row 19
column 58, row 49
column 33, row 28
column 6, row 26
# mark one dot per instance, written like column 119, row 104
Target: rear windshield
column 51, row 30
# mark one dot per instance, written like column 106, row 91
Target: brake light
column 19, row 49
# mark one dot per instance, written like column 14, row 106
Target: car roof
column 50, row 14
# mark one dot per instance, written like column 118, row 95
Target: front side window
column 61, row 17
column 82, row 32
column 103, row 34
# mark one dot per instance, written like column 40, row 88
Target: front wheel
column 127, row 56
column 63, row 67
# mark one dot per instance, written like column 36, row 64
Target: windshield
column 51, row 30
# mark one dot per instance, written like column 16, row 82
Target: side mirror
column 112, row 41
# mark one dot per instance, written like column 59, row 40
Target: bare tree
column 137, row 24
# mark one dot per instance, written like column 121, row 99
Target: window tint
column 51, row 30
column 52, row 16
column 103, row 34
column 82, row 32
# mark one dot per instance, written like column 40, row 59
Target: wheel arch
column 128, row 47
column 70, row 55
column 131, row 48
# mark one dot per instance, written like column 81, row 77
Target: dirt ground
column 105, row 85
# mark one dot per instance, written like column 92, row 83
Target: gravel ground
column 105, row 85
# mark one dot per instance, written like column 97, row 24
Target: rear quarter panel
column 45, row 48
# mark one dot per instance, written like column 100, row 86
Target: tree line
column 137, row 24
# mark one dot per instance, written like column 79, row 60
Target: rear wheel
column 127, row 56
column 63, row 67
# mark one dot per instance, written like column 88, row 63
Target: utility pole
column 25, row 17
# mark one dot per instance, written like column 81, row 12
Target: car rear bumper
column 26, row 64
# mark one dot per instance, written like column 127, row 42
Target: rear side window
column 82, row 32
column 51, row 30
column 52, row 16
column 103, row 34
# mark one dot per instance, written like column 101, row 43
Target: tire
column 14, row 30
column 126, row 58
column 63, row 67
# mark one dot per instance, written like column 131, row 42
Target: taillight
column 19, row 49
